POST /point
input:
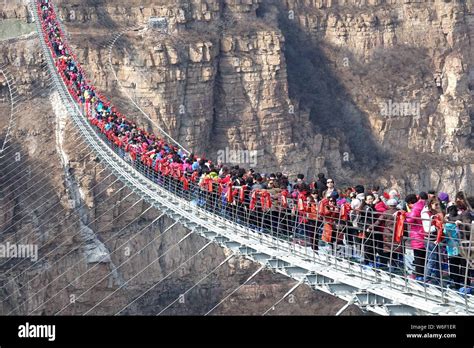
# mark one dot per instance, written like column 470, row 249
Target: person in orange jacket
column 330, row 212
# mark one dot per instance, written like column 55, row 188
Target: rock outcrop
column 364, row 90
column 347, row 87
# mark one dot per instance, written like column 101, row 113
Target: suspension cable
column 192, row 287
column 166, row 277
column 134, row 276
column 284, row 296
column 235, row 290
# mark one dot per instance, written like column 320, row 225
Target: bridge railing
column 366, row 241
column 363, row 242
column 64, row 33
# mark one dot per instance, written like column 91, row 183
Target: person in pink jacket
column 416, row 233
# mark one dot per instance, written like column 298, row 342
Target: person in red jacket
column 301, row 213
column 379, row 226
column 330, row 213
column 312, row 216
column 390, row 250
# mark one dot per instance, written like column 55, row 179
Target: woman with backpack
column 452, row 236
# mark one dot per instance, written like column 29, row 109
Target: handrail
column 254, row 228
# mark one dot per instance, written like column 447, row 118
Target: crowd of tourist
column 377, row 228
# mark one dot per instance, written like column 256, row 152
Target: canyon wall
column 101, row 249
column 350, row 88
column 362, row 90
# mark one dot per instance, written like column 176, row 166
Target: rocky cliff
column 405, row 67
column 363, row 90
column 101, row 249
column 346, row 87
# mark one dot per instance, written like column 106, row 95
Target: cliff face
column 100, row 248
column 349, row 87
column 216, row 80
column 404, row 66
column 361, row 89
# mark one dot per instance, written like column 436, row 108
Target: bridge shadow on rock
column 30, row 217
column 27, row 192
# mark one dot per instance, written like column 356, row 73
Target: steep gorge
column 301, row 82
